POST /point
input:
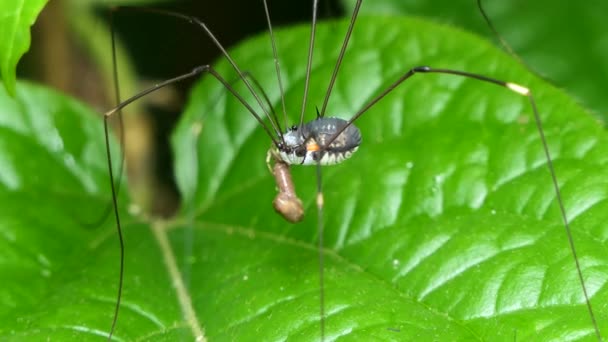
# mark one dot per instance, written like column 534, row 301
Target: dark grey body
column 306, row 145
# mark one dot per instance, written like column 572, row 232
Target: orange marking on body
column 313, row 147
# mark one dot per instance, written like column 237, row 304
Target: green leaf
column 443, row 226
column 564, row 42
column 15, row 21
column 108, row 3
column 53, row 187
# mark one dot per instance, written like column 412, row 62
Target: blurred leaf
column 565, row 42
column 95, row 36
column 107, row 3
column 443, row 226
column 15, row 21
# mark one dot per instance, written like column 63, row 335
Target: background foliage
column 564, row 42
column 444, row 226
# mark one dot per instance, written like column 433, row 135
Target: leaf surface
column 443, row 226
column 15, row 20
column 565, row 42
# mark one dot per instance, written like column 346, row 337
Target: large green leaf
column 15, row 20
column 444, row 225
column 53, row 185
column 564, row 41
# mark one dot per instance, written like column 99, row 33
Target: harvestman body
column 303, row 146
column 323, row 141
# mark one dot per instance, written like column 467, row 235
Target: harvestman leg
column 516, row 88
column 319, row 201
column 281, row 171
column 195, row 72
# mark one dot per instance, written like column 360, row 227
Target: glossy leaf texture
column 53, row 188
column 443, row 226
column 565, row 42
column 15, row 21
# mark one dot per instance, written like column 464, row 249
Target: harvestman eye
column 321, row 142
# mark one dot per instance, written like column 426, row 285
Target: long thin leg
column 521, row 90
column 195, row 72
column 502, row 41
column 276, row 64
column 115, row 187
column 311, row 46
column 121, row 129
column 259, row 87
column 334, row 75
column 203, row 26
column 321, row 229
column 118, row 228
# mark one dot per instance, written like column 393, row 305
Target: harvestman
column 323, row 141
